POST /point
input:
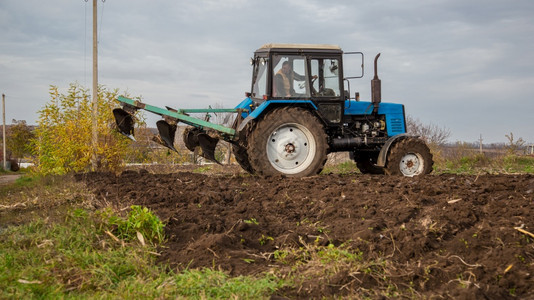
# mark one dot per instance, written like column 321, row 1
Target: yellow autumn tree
column 62, row 142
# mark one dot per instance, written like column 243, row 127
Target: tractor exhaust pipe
column 376, row 88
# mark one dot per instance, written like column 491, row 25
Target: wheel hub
column 411, row 164
column 290, row 148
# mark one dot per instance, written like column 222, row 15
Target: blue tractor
column 298, row 110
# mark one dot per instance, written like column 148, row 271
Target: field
column 444, row 236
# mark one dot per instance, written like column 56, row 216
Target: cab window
column 327, row 82
column 290, row 77
column 259, row 85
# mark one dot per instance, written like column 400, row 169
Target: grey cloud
column 455, row 63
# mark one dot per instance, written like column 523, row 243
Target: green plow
column 200, row 133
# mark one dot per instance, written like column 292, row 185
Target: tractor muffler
column 376, row 88
column 125, row 122
column 194, row 137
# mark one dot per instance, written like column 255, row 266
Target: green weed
column 252, row 221
column 202, row 169
column 341, row 168
column 265, row 239
column 139, row 220
column 518, row 164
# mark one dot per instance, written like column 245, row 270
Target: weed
column 305, row 221
column 252, row 221
column 520, row 258
column 139, row 219
column 332, row 253
column 346, row 167
column 280, row 255
column 264, row 239
column 202, row 169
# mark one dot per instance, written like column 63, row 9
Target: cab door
column 326, row 87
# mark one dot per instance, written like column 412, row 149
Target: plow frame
column 182, row 115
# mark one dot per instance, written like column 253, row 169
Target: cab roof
column 277, row 47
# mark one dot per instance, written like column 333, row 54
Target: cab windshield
column 259, row 77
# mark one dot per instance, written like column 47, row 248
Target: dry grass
column 41, row 196
column 341, row 270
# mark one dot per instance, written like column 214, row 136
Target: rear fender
column 382, row 156
column 270, row 104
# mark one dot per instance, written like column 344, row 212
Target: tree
column 18, row 139
column 62, row 142
column 513, row 146
column 431, row 133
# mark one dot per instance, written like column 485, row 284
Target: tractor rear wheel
column 409, row 157
column 288, row 141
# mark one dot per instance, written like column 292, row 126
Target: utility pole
column 95, row 91
column 4, row 128
column 480, row 143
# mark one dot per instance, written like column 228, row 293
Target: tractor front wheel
column 409, row 157
column 288, row 141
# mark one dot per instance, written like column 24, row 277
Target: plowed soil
column 443, row 236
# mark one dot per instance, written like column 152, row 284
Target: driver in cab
column 284, row 80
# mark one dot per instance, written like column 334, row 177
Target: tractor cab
column 296, row 72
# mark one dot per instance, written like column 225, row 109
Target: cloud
column 458, row 64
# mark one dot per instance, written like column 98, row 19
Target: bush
column 63, row 138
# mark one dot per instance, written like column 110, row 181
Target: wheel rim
column 411, row 164
column 291, row 148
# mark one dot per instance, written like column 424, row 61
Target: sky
column 463, row 65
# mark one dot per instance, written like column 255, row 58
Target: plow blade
column 193, row 138
column 190, row 138
column 208, row 144
column 166, row 134
column 125, row 122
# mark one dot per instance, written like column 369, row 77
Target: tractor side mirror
column 350, row 62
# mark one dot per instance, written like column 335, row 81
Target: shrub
column 63, row 138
